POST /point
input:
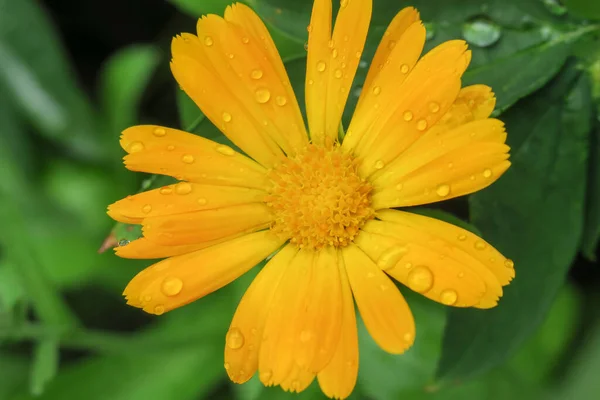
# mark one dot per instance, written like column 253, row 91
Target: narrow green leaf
column 534, row 215
column 45, row 365
column 124, row 78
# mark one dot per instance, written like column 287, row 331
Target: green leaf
column 35, row 71
column 386, row 376
column 45, row 365
column 14, row 375
column 591, row 234
column 584, row 8
column 124, row 78
column 534, row 215
column 197, row 8
column 11, row 290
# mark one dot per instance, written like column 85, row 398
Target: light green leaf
column 45, row 365
column 534, row 215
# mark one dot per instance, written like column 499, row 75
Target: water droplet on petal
column 343, row 3
column 462, row 237
column 135, row 147
column 123, row 242
column 420, row 279
column 408, row 337
column 256, row 74
column 245, row 40
column 227, row 366
column 147, row 208
column 265, row 376
column 281, row 101
column 480, row 245
column 448, row 297
column 309, row 28
column 262, row 95
column 407, row 116
column 188, row 159
column 166, row 190
column 172, row 286
column 487, row 173
column 159, row 309
column 225, row 150
column 321, row 66
column 404, row 68
column 481, row 32
column 305, row 46
column 208, row 41
column 183, row 188
column 461, row 275
column 159, row 132
column 376, row 90
column 234, row 339
column 443, row 190
column 508, row 263
column 391, row 44
column 379, row 164
column 399, row 186
column 421, row 125
column 434, row 107
column 338, row 73
column 170, row 147
column 202, row 201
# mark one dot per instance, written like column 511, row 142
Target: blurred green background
column 73, row 74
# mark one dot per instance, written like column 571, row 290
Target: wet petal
column 143, row 248
column 298, row 380
column 177, row 281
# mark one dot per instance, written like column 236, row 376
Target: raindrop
column 159, row 309
column 434, row 107
column 321, row 66
column 479, row 245
column 208, row 41
column 159, row 132
column 343, row 3
column 508, row 263
column 309, row 28
column 202, row 201
column 135, row 147
column 376, row 90
column 487, row 173
column 408, row 116
column 334, row 53
column 443, row 190
column 358, row 54
column 408, row 337
column 123, row 242
column 404, row 68
column 391, row 44
column 172, row 286
column 256, row 74
column 234, row 339
column 399, row 186
column 227, row 366
column 481, row 32
column 262, row 95
column 338, row 73
column 225, row 150
column 462, row 237
column 226, row 117
column 147, row 297
column 165, row 190
column 245, row 40
column 555, row 7
column 147, row 208
column 390, row 257
column 170, row 147
column 379, row 164
column 183, row 188
column 461, row 274
column 188, row 159
column 421, row 125
column 448, row 297
column 420, row 279
column 281, row 101
column 265, row 376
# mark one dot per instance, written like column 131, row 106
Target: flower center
column 319, row 199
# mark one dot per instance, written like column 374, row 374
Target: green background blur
column 73, row 74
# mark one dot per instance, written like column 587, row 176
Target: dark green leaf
column 45, row 364
column 13, row 378
column 534, row 215
column 588, row 9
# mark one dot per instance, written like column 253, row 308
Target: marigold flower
column 321, row 205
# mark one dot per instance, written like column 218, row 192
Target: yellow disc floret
column 318, row 198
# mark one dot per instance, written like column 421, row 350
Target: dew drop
column 408, row 265
column 202, row 201
column 226, row 117
column 404, row 68
column 310, row 81
column 256, row 74
column 448, row 297
column 334, row 53
column 481, row 32
column 281, row 101
column 338, row 73
column 390, row 257
column 391, row 44
column 234, row 339
column 343, row 3
column 358, row 54
column 305, row 46
column 170, row 147
column 462, row 237
column 208, row 41
column 265, row 376
column 421, row 125
column 172, row 286
column 245, row 40
column 159, row 309
column 407, row 116
column 305, row 336
column 420, row 279
column 379, row 164
column 159, row 132
column 227, row 366
column 147, row 208
column 225, row 150
column 166, row 190
column 487, row 173
column 135, row 147
column 508, row 263
column 480, row 245
column 262, row 95
column 443, row 190
column 408, row 337
column 434, row 107
column 183, row 188
column 147, row 297
column 461, row 275
column 399, row 186
column 123, row 242
column 321, row 66
column 188, row 159
column 309, row 28
column 472, row 177
column 376, row 90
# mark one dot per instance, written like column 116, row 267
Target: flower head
column 323, row 205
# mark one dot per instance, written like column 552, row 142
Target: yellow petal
column 143, row 248
column 241, row 357
column 422, row 268
column 332, row 63
column 177, row 281
column 321, row 317
column 281, row 332
column 165, row 151
column 396, row 56
column 338, row 378
column 298, row 380
column 452, row 242
column 203, row 68
column 383, row 309
column 201, row 226
column 182, row 198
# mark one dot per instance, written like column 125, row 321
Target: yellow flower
column 321, row 205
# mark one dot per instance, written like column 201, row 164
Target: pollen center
column 319, row 199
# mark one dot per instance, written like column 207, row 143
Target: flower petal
column 298, row 380
column 201, row 226
column 332, row 62
column 251, row 314
column 338, row 378
column 165, row 151
column 184, row 197
column 451, row 242
column 281, row 333
column 177, row 281
column 143, row 248
column 396, row 56
column 422, row 268
column 383, row 309
column 469, row 158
